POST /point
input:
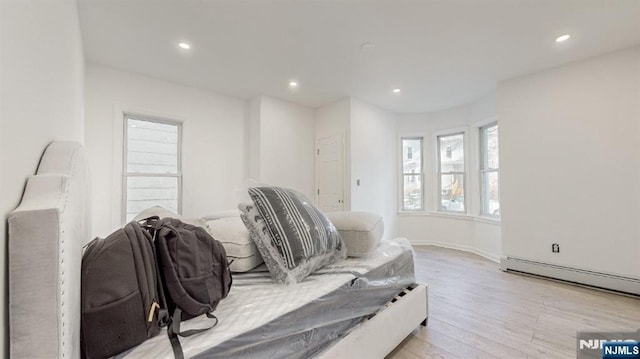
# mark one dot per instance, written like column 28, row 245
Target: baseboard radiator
column 616, row 283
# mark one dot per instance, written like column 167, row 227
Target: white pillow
column 222, row 214
column 234, row 236
column 361, row 231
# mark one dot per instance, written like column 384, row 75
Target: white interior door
column 330, row 174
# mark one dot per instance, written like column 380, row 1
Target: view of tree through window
column 489, row 170
column 152, row 165
column 451, row 172
column 412, row 189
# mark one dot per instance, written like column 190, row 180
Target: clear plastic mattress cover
column 262, row 319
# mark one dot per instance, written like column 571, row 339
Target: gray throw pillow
column 292, row 235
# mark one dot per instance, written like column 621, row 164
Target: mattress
column 262, row 319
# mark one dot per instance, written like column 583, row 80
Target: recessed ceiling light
column 367, row 46
column 563, row 38
column 396, row 90
column 184, row 45
column 293, row 84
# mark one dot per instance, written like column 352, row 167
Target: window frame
column 439, row 172
column 125, row 150
column 484, row 169
column 421, row 174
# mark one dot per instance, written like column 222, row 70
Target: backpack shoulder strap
column 173, row 331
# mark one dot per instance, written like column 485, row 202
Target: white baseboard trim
column 490, row 256
column 575, row 275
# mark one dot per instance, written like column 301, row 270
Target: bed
column 360, row 305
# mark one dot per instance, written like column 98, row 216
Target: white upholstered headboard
column 46, row 235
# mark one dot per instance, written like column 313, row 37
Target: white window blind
column 152, row 165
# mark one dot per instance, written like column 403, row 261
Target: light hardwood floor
column 478, row 311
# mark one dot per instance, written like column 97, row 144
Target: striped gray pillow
column 293, row 236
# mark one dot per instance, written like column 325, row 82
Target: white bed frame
column 380, row 334
column 46, row 235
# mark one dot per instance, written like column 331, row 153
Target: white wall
column 252, row 136
column 213, row 153
column 331, row 120
column 470, row 232
column 286, row 135
column 41, row 100
column 373, row 156
column 370, row 155
column 570, row 164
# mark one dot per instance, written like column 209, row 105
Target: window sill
column 448, row 215
column 487, row 219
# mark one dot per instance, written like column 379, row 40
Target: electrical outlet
column 555, row 248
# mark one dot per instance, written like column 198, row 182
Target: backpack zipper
column 152, row 310
column 152, row 277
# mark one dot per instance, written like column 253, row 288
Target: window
column 451, row 172
column 412, row 175
column 489, row 170
column 152, row 165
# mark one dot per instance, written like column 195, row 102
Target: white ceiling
column 440, row 53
